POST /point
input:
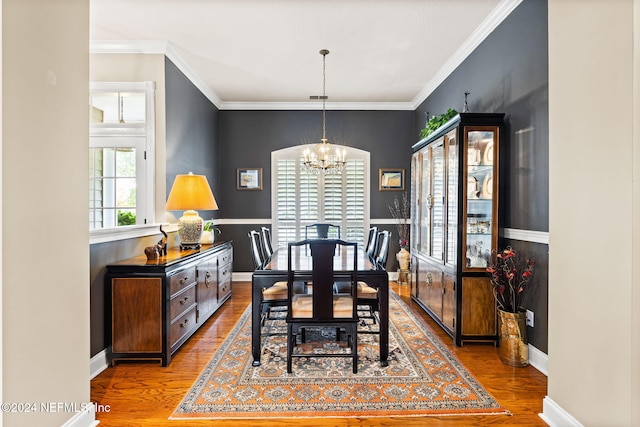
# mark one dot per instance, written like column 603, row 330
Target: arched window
column 301, row 198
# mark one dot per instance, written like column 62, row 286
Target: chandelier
column 326, row 158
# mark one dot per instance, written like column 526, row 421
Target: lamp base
column 189, row 247
column 190, row 230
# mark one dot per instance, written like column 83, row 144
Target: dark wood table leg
column 256, row 297
column 383, row 291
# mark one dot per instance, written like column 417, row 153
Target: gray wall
column 508, row 73
column 247, row 139
column 192, row 124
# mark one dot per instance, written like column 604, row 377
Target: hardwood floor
column 145, row 394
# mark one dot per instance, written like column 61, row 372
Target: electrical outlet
column 530, row 318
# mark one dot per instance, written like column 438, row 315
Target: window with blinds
column 303, row 198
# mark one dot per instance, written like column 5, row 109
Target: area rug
column 422, row 379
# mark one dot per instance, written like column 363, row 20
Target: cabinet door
column 449, row 300
column 414, row 266
column 433, row 290
column 416, row 173
column 136, row 315
column 438, row 201
column 481, row 190
column 478, row 307
column 452, row 197
column 207, row 289
column 425, row 202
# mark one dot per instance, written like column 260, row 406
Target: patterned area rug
column 423, row 378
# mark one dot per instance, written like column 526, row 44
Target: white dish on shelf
column 473, row 187
column 487, row 158
column 487, row 186
column 473, row 156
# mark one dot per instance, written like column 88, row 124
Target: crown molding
column 315, row 105
column 129, row 46
column 479, row 35
column 157, row 47
column 182, row 65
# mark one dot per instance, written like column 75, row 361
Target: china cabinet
column 455, row 218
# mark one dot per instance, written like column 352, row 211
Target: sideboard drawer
column 182, row 325
column 224, row 289
column 182, row 302
column 225, row 257
column 224, row 272
column 182, row 279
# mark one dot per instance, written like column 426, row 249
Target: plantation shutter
column 304, row 198
column 354, row 200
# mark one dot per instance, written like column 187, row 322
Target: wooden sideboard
column 155, row 306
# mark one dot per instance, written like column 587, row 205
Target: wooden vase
column 514, row 346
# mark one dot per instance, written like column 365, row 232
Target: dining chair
column 382, row 248
column 322, row 308
column 273, row 296
column 368, row 295
column 322, row 231
column 371, row 241
column 266, row 241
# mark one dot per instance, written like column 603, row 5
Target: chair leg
column 354, row 347
column 290, row 342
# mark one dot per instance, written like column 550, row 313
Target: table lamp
column 190, row 193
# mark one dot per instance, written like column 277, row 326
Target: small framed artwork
column 249, row 179
column 392, row 179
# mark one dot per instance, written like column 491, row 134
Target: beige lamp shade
column 190, row 192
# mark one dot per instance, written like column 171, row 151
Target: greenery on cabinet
column 436, row 121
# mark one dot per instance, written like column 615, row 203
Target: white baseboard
column 242, row 276
column 84, row 418
column 98, row 363
column 538, row 360
column 555, row 416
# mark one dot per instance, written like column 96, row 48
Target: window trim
column 151, row 227
column 296, row 151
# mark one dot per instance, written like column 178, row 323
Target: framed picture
column 249, row 179
column 392, row 179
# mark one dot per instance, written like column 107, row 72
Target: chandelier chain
column 325, row 158
column 324, row 93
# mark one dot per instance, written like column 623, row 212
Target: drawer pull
column 184, row 280
column 207, row 279
column 184, row 324
column 225, row 272
column 184, row 300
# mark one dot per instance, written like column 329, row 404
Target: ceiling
column 246, row 54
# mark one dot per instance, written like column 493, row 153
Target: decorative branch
column 400, row 212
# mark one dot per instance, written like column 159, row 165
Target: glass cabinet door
column 425, row 202
column 437, row 201
column 480, row 190
column 414, row 241
column 452, row 196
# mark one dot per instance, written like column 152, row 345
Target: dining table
column 276, row 270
